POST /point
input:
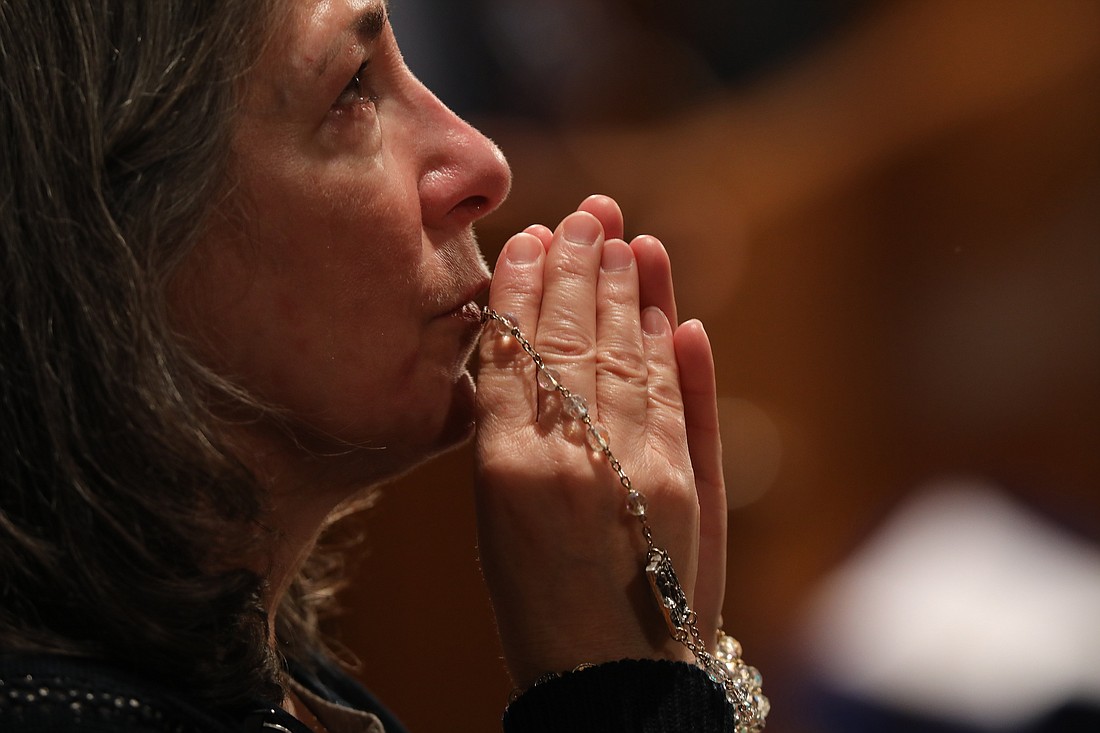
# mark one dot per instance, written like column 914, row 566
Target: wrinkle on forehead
column 314, row 34
column 330, row 25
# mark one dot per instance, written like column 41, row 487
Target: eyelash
column 353, row 93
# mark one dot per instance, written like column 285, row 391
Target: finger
column 621, row 371
column 666, row 438
column 697, row 385
column 566, row 335
column 503, row 400
column 664, row 407
column 607, row 210
column 542, row 232
column 655, row 275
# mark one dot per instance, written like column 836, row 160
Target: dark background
column 887, row 216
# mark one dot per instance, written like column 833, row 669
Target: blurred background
column 887, row 214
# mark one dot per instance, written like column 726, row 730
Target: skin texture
column 328, row 282
column 328, row 286
column 561, row 556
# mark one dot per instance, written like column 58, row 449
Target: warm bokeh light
column 887, row 220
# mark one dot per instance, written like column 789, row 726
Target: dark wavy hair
column 123, row 517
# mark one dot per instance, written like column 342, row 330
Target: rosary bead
column 548, row 378
column 598, row 438
column 576, row 407
column 717, row 672
column 747, row 676
column 741, row 682
column 729, row 648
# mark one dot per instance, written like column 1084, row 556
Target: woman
column 238, row 281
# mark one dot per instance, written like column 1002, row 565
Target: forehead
column 310, row 38
column 319, row 30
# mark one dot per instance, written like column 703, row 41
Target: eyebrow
column 370, row 23
column 367, row 26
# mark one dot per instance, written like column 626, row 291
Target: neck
column 304, row 495
column 308, row 483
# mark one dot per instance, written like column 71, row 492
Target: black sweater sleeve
column 629, row 696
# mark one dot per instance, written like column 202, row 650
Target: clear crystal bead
column 716, row 672
column 636, row 503
column 576, row 407
column 729, row 648
column 598, row 438
column 755, row 678
column 548, row 379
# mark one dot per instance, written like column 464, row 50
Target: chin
column 446, row 429
column 350, row 471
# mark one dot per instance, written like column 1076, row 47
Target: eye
column 357, row 89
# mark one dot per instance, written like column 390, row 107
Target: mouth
column 468, row 308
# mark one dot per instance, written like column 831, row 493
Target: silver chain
column 740, row 682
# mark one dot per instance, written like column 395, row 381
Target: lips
column 468, row 311
column 466, row 308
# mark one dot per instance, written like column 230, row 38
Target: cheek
column 317, row 309
column 340, row 361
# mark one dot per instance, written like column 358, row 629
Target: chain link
column 739, row 681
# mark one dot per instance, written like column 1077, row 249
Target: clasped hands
column 562, row 557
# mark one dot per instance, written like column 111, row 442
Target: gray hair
column 122, row 517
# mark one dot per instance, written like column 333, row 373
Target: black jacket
column 46, row 694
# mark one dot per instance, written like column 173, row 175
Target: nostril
column 474, row 205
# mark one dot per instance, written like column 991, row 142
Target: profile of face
column 335, row 282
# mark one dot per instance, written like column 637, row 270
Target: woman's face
column 334, row 283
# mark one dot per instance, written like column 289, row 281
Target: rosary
column 740, row 682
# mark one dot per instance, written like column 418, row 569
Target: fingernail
column 524, row 249
column 696, row 323
column 581, row 228
column 654, row 322
column 617, row 255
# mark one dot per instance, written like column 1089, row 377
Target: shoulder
column 326, row 679
column 40, row 693
column 47, row 693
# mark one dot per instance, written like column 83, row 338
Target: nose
column 464, row 175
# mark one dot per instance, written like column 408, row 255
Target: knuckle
column 619, row 361
column 571, row 268
column 515, row 290
column 619, row 296
column 565, row 341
